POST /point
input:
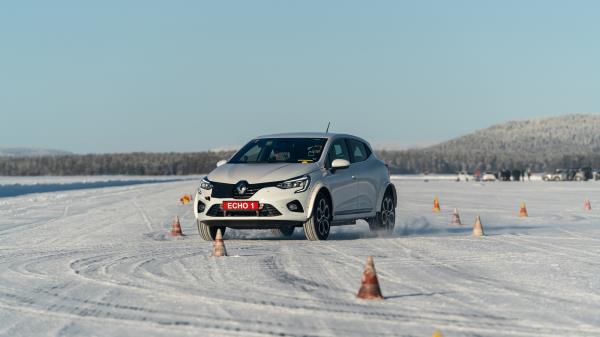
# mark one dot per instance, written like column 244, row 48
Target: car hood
column 259, row 173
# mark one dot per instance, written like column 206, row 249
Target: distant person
column 529, row 174
column 523, row 175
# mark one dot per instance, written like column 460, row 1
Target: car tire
column 384, row 221
column 283, row 231
column 317, row 227
column 207, row 232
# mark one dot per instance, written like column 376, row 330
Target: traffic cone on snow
column 176, row 228
column 219, row 246
column 587, row 206
column 436, row 205
column 456, row 218
column 437, row 333
column 369, row 288
column 477, row 227
column 523, row 210
column 185, row 199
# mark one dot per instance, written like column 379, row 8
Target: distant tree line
column 138, row 163
column 570, row 141
column 430, row 160
column 406, row 161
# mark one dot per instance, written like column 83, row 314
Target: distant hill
column 578, row 133
column 30, row 152
column 541, row 144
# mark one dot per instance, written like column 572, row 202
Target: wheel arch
column 311, row 203
column 389, row 188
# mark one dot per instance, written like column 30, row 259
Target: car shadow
column 357, row 233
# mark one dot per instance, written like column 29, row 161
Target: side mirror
column 221, row 162
column 338, row 164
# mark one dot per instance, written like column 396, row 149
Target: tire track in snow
column 457, row 275
column 143, row 214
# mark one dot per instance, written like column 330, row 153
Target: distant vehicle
column 488, row 176
column 309, row 180
column 571, row 174
column 557, row 175
column 516, row 175
column 504, row 175
column 584, row 174
column 462, row 176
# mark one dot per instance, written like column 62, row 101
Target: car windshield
column 280, row 150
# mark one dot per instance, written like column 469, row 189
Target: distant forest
column 408, row 161
column 433, row 161
column 570, row 141
column 139, row 163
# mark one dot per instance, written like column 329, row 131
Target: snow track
column 101, row 262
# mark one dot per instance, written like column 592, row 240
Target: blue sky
column 116, row 76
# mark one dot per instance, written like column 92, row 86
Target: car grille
column 265, row 211
column 222, row 190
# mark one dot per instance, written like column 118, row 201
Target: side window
column 360, row 151
column 338, row 150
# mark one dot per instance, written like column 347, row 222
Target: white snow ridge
column 101, row 262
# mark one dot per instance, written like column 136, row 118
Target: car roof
column 300, row 135
column 327, row 135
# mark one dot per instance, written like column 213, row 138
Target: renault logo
column 241, row 187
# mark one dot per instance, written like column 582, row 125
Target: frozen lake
column 100, row 262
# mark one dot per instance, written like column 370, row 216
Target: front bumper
column 274, row 212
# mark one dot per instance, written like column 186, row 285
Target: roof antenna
column 328, row 123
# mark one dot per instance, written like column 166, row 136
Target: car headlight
column 205, row 184
column 301, row 183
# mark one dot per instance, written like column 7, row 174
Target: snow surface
column 100, row 262
column 40, row 180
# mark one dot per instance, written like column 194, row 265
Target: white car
column 488, row 176
column 309, row 180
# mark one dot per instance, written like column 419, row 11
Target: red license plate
column 240, row 205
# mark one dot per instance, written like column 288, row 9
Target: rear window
column 280, row 150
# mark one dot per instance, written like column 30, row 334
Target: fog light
column 295, row 206
column 201, row 207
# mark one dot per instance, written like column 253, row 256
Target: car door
column 341, row 182
column 365, row 176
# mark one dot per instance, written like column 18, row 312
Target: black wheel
column 283, row 231
column 385, row 220
column 317, row 227
column 208, row 233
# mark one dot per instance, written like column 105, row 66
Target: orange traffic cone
column 456, row 218
column 477, row 227
column 436, row 205
column 219, row 246
column 523, row 211
column 437, row 333
column 185, row 199
column 587, row 206
column 176, row 228
column 369, row 288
